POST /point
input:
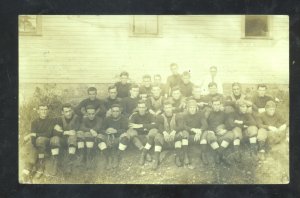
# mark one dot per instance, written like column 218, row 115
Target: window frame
column 270, row 28
column 38, row 30
column 133, row 34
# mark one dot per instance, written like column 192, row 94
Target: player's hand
column 172, row 135
column 111, row 131
column 222, row 131
column 66, row 132
column 58, row 128
column 158, row 112
column 166, row 136
column 238, row 121
column 261, row 110
column 135, row 126
column 28, row 136
column 272, row 128
column 93, row 132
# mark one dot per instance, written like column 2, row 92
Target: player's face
column 197, row 93
column 147, row 82
column 67, row 112
column 236, row 90
column 124, row 79
column 213, row 72
column 213, row 90
column 92, row 95
column 43, row 112
column 91, row 113
column 216, row 106
column 186, row 79
column 112, row 93
column 156, row 92
column 143, row 97
column 157, row 79
column 270, row 111
column 192, row 109
column 134, row 92
column 243, row 109
column 174, row 69
column 115, row 112
column 176, row 94
column 168, row 109
column 261, row 91
column 142, row 109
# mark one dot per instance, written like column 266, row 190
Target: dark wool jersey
column 120, row 124
column 155, row 104
column 208, row 98
column 247, row 118
column 165, row 123
column 186, row 89
column 129, row 104
column 215, row 119
column 98, row 104
column 198, row 100
column 172, row 81
column 177, row 104
column 87, row 124
column 146, row 90
column 260, row 102
column 69, row 124
column 264, row 120
column 147, row 120
column 123, row 89
column 108, row 102
column 43, row 127
column 197, row 121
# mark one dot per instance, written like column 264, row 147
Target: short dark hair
column 66, row 105
column 176, row 88
column 236, row 84
column 43, row 104
column 211, row 84
column 111, row 87
column 116, row 105
column 167, row 102
column 261, row 85
column 134, row 86
column 90, row 107
column 91, row 89
column 142, row 102
column 124, row 73
column 146, row 76
column 186, row 73
column 155, row 85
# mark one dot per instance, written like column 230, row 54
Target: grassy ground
column 275, row 169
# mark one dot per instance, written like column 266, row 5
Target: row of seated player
column 212, row 128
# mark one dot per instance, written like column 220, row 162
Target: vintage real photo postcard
column 153, row 99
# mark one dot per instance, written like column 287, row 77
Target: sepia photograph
column 153, row 99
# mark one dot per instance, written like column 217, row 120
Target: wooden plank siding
column 94, row 49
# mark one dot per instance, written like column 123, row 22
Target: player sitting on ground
column 88, row 131
column 217, row 136
column 114, row 137
column 142, row 130
column 67, row 126
column 170, row 126
column 42, row 140
column 194, row 126
column 243, row 124
column 272, row 128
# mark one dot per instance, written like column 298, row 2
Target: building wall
column 94, row 49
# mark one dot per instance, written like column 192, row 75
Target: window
column 145, row 25
column 257, row 26
column 30, row 25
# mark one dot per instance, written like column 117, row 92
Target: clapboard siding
column 94, row 49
